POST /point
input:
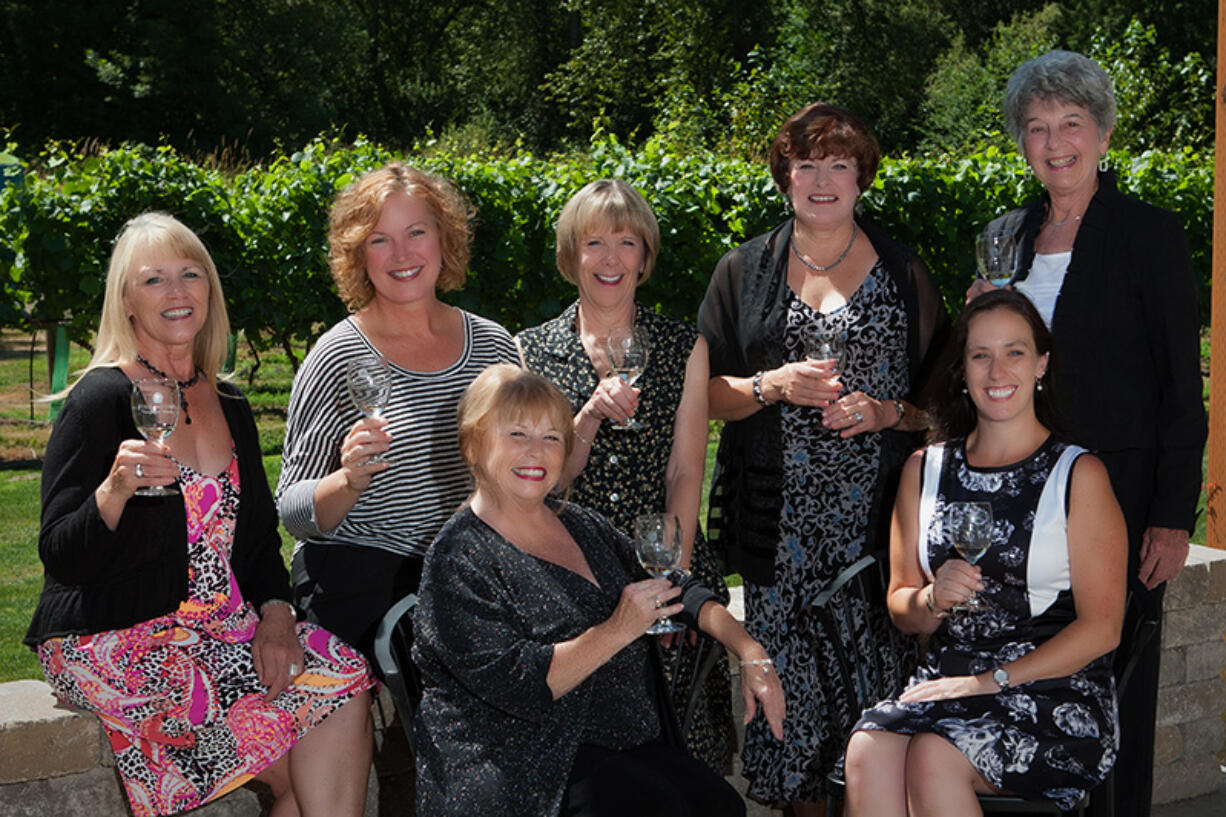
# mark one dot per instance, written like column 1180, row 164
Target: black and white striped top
column 406, row 504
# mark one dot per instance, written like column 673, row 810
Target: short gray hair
column 1065, row 76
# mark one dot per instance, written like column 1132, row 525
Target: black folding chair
column 393, row 646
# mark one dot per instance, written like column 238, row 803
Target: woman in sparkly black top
column 540, row 695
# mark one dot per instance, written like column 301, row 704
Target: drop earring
column 1038, row 383
column 1103, row 165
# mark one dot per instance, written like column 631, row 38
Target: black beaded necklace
column 184, row 385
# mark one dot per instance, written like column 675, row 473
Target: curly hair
column 357, row 209
column 1065, row 76
column 820, row 130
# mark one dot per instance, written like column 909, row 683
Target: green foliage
column 267, row 226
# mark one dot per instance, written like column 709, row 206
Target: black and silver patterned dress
column 625, row 474
column 1049, row 739
column 829, row 484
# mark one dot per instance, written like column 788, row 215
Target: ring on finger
column 659, row 603
column 140, row 471
column 293, row 670
column 859, row 417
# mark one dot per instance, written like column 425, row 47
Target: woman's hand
column 954, row 582
column 802, row 383
column 760, row 685
column 613, row 399
column 368, row 437
column 978, row 287
column 857, row 413
column 641, row 604
column 959, row 686
column 276, row 649
column 137, row 464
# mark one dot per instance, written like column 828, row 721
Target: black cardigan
column 743, row 318
column 1127, row 341
column 96, row 579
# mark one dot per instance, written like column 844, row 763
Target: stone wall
column 1192, row 686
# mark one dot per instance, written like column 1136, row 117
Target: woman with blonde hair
column 399, row 236
column 540, row 694
column 168, row 616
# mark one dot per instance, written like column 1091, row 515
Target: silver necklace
column 815, row 267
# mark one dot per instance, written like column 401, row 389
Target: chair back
column 393, row 648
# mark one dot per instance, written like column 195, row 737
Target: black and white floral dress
column 1051, row 739
column 829, row 485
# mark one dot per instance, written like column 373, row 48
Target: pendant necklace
column 816, row 267
column 184, row 385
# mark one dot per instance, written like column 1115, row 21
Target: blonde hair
column 611, row 204
column 357, row 209
column 141, row 239
column 503, row 393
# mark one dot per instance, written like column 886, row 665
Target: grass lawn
column 22, row 441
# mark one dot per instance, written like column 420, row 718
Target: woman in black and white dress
column 1019, row 696
column 398, row 236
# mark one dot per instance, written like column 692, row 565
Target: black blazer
column 96, row 579
column 1127, row 341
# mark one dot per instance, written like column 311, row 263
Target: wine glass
column 155, row 410
column 627, row 349
column 657, row 541
column 997, row 256
column 370, row 387
column 970, row 530
column 825, row 345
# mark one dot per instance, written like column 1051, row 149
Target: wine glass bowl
column 969, row 525
column 627, row 348
column 657, row 543
column 155, row 410
column 826, row 346
column 369, row 380
column 996, row 255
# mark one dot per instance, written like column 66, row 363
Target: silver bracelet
column 764, row 663
column 757, row 389
column 293, row 611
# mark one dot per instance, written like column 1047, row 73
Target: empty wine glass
column 627, row 349
column 825, row 345
column 997, row 257
column 970, row 531
column 370, row 387
column 155, row 410
column 657, row 542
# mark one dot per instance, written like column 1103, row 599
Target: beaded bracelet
column 764, row 663
column 757, row 389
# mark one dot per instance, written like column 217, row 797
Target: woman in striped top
column 398, row 236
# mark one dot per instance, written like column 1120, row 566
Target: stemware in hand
column 997, row 256
column 657, row 541
column 627, row 349
column 370, row 387
column 970, row 531
column 155, row 410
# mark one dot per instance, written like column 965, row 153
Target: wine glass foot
column 157, row 490
column 664, row 626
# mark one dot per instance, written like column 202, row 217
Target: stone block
column 41, row 738
column 1168, row 746
column 1204, row 737
column 1173, row 668
column 95, row 793
column 1205, row 660
column 1185, row 779
column 1191, row 702
column 1189, row 589
column 1194, row 625
column 1217, row 581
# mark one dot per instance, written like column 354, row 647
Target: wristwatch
column 1001, row 676
column 902, row 412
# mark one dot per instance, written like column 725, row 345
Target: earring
column 787, row 204
column 964, row 391
column 1038, row 383
column 1102, row 163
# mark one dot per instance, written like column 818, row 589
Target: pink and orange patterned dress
column 178, row 695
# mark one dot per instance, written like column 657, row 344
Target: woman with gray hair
column 1113, row 275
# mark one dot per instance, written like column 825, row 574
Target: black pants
column 346, row 589
column 1132, row 479
column 653, row 779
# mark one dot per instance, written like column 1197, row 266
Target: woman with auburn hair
column 541, row 695
column 364, row 496
column 168, row 615
column 812, row 446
